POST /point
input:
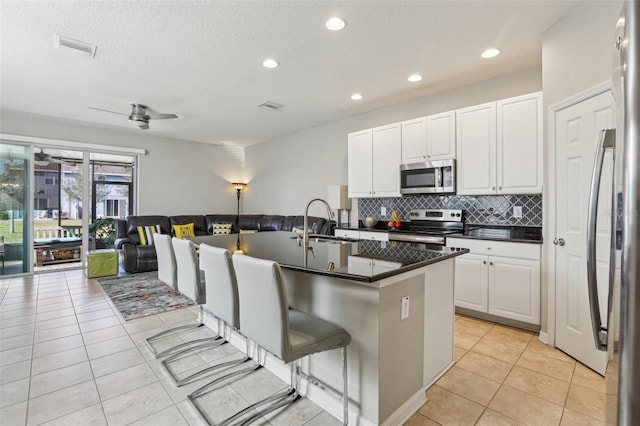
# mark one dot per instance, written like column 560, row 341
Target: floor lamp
column 239, row 186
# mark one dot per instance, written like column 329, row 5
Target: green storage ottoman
column 102, row 263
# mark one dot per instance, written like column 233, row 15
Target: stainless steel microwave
column 428, row 177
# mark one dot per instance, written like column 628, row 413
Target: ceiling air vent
column 269, row 105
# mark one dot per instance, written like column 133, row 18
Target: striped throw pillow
column 146, row 234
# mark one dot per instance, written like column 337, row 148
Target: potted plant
column 102, row 233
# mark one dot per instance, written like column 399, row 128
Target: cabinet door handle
column 490, row 263
column 493, row 188
column 484, row 262
column 488, row 248
column 500, row 188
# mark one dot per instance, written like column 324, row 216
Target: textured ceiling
column 202, row 60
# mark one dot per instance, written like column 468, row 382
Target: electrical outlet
column 383, row 211
column 404, row 314
column 517, row 212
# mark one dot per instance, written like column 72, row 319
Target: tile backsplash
column 478, row 210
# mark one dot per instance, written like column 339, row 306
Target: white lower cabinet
column 505, row 284
column 369, row 267
column 362, row 235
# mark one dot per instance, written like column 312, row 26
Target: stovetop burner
column 430, row 226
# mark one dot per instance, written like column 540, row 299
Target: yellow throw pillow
column 221, row 228
column 146, row 234
column 184, row 231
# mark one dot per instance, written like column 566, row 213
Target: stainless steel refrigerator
column 625, row 216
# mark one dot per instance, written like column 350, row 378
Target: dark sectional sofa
column 139, row 258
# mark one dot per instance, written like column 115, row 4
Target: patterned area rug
column 139, row 295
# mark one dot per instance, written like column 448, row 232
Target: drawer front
column 497, row 248
column 375, row 236
column 347, row 233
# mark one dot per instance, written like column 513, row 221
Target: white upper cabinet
column 414, row 140
column 441, row 136
column 499, row 147
column 429, row 138
column 387, row 149
column 360, row 164
column 374, row 157
column 476, row 149
column 519, row 145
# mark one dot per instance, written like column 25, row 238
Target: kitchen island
column 395, row 354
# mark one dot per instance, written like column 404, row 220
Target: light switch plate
column 404, row 314
column 517, row 212
column 383, row 211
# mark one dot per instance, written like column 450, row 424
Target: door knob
column 558, row 241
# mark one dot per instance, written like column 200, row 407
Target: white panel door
column 414, row 140
column 359, row 164
column 514, row 289
column 441, row 136
column 519, row 145
column 476, row 149
column 386, row 158
column 472, row 282
column 577, row 129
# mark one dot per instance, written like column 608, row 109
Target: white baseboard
column 406, row 410
column 543, row 337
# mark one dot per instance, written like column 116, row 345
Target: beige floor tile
column 485, row 366
column 473, row 326
column 492, row 418
column 57, row 360
column 295, row 414
column 525, row 408
column 592, row 403
column 15, row 414
column 137, row 404
column 58, row 345
column 447, row 408
column 14, row 392
column 168, row 416
column 458, row 352
column 90, row 416
column 126, row 380
column 464, row 340
column 62, row 402
column 116, row 362
column 16, row 371
column 59, row 379
column 502, row 333
column 221, row 403
column 419, row 420
column 504, row 351
column 536, row 346
column 109, row 347
column 469, row 385
column 573, row 418
column 585, row 377
column 552, row 367
column 15, row 355
column 326, row 419
column 538, row 384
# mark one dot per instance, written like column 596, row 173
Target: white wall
column 577, row 54
column 285, row 173
column 175, row 177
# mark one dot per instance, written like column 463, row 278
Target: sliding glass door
column 14, row 206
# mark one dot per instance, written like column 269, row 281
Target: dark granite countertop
column 330, row 256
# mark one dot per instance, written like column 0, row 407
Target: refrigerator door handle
column 605, row 140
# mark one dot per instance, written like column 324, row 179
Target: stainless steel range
column 430, row 226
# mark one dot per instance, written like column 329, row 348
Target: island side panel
column 439, row 320
column 355, row 307
column 401, row 342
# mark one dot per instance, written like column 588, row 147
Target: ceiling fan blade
column 106, row 110
column 143, row 126
column 59, row 161
column 161, row 116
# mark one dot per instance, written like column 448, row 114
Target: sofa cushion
column 317, row 225
column 199, row 223
column 271, row 223
column 249, row 221
column 210, row 219
column 134, row 221
column 184, row 231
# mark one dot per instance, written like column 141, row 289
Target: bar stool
column 221, row 301
column 190, row 284
column 288, row 334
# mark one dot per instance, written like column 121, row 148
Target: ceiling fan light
column 490, row 53
column 40, row 163
column 335, row 24
column 77, row 45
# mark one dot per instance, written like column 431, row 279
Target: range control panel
column 441, row 215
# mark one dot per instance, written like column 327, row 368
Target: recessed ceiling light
column 414, row 77
column 270, row 63
column 356, row 96
column 490, row 53
column 335, row 24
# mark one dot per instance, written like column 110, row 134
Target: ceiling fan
column 139, row 115
column 43, row 159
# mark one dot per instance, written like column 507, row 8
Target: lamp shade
column 338, row 198
column 239, row 185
